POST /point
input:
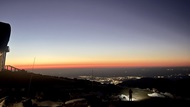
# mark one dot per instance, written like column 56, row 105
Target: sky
column 97, row 33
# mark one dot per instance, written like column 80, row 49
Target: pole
column 31, row 78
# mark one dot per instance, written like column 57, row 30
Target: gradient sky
column 97, row 33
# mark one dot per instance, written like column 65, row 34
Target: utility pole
column 92, row 78
column 31, row 78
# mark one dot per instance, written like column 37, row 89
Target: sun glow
column 101, row 65
column 94, row 62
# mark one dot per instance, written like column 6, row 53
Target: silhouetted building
column 5, row 31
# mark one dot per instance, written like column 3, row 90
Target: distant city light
column 109, row 80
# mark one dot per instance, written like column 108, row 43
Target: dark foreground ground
column 153, row 102
column 48, row 91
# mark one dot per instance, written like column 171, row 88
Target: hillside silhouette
column 176, row 86
column 23, row 85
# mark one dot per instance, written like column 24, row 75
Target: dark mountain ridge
column 22, row 84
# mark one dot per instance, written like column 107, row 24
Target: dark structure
column 5, row 31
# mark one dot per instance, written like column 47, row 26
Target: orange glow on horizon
column 101, row 65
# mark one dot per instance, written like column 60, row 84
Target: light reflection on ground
column 126, row 98
column 137, row 95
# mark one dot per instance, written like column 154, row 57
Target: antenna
column 31, row 77
column 92, row 77
column 33, row 63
